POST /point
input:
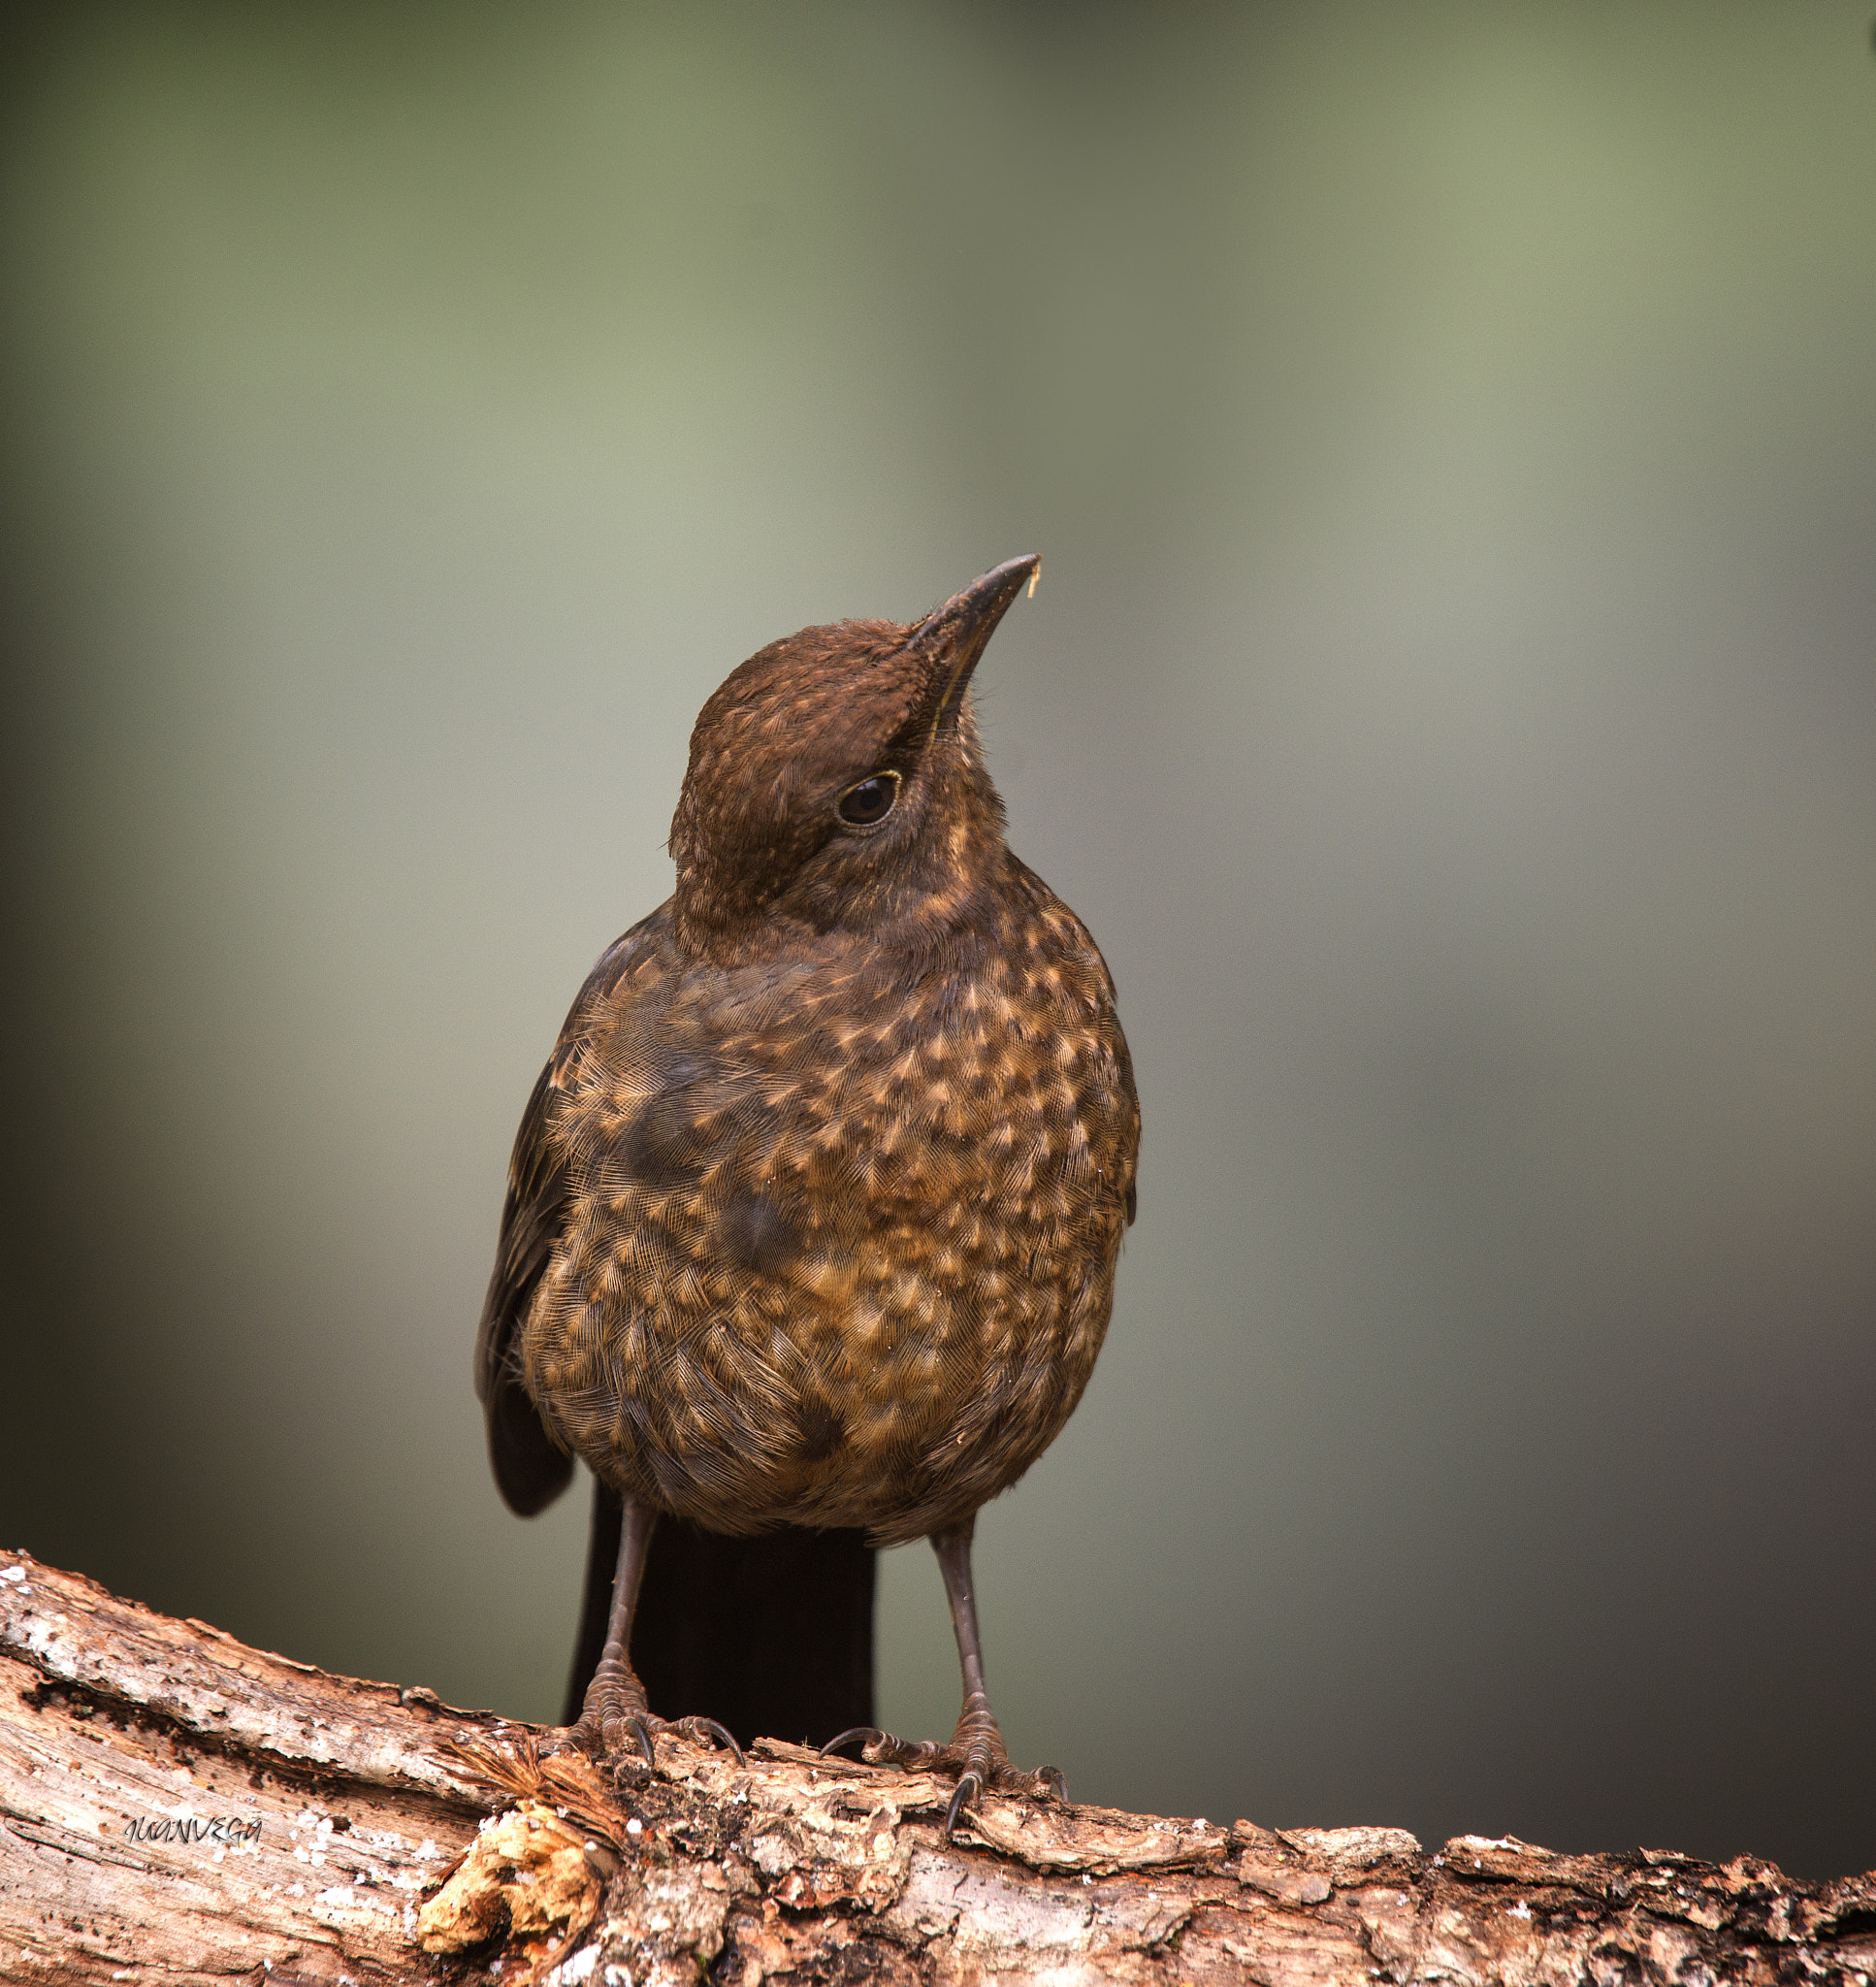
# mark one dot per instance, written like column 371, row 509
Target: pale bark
column 344, row 1806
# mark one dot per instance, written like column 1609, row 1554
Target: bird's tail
column 771, row 1636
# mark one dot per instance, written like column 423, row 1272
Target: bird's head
column 838, row 781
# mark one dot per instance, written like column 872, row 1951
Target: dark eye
column 871, row 801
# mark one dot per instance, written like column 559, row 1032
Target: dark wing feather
column 531, row 1469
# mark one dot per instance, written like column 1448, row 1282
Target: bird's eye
column 870, row 800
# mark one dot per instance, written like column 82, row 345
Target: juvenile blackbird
column 813, row 1212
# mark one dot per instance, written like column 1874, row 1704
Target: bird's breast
column 836, row 1237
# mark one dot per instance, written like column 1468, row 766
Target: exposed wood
column 177, row 1807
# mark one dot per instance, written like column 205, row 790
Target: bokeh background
column 1450, row 700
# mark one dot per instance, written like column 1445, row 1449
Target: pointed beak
column 956, row 634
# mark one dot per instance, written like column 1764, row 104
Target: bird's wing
column 529, row 1468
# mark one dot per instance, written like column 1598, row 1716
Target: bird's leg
column 977, row 1738
column 614, row 1712
column 976, row 1754
column 614, row 1715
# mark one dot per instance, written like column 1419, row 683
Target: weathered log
column 177, row 1806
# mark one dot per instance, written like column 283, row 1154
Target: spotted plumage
column 814, row 1214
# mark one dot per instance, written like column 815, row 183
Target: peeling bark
column 177, row 1807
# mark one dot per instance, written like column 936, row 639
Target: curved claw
column 1051, row 1777
column 641, row 1730
column 969, row 1786
column 867, row 1735
column 722, row 1735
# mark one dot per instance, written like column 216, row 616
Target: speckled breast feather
column 840, row 1228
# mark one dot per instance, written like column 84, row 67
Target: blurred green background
column 1451, row 436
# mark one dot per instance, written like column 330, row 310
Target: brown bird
column 814, row 1213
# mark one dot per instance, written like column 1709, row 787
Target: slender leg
column 977, row 1737
column 615, row 1717
column 614, row 1714
column 976, row 1753
column 596, row 1600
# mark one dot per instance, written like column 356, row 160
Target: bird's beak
column 956, row 634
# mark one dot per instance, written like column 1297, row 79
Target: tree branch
column 177, row 1806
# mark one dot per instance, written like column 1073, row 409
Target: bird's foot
column 974, row 1754
column 615, row 1720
